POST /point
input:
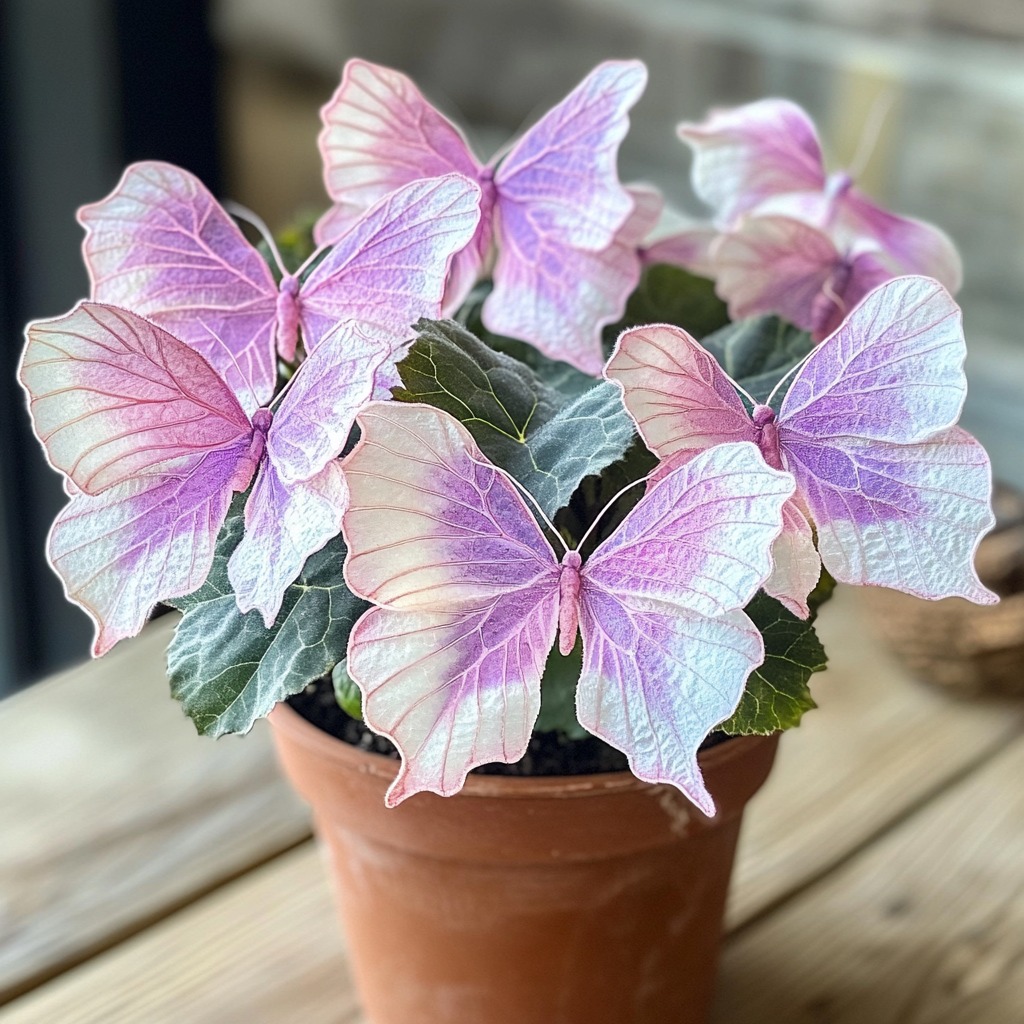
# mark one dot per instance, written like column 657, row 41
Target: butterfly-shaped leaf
column 552, row 206
column 470, row 595
column 797, row 241
column 161, row 246
column 897, row 495
column 154, row 443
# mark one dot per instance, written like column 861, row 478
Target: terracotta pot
column 592, row 899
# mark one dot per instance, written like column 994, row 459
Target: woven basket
column 970, row 650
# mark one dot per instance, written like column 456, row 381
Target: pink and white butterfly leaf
column 153, row 443
column 469, row 596
column 745, row 155
column 551, row 202
column 897, row 495
column 163, row 247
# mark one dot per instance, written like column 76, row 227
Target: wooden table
column 149, row 876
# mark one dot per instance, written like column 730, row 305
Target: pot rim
column 287, row 720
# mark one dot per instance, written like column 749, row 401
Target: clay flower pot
column 594, row 899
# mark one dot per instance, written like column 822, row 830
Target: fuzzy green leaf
column 777, row 693
column 547, row 441
column 495, row 396
column 228, row 669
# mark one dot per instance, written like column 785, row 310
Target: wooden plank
column 113, row 811
column 879, row 747
column 926, row 927
column 880, row 744
column 264, row 949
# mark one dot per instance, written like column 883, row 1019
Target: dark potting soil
column 549, row 753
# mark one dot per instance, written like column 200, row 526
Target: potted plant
column 486, row 412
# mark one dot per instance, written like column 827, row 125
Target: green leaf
column 346, row 692
column 588, row 434
column 757, row 353
column 777, row 693
column 670, row 295
column 228, row 669
column 558, row 694
column 547, row 441
column 495, row 396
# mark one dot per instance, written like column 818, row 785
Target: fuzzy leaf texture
column 547, row 441
column 228, row 669
column 777, row 692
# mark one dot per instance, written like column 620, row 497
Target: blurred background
column 230, row 89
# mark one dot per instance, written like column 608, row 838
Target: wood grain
column 925, row 927
column 113, row 811
column 879, row 745
column 863, row 769
column 264, row 949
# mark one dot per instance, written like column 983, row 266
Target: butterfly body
column 570, row 583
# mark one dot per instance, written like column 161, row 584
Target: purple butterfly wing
column 391, row 267
column 300, row 494
column 145, row 540
column 113, row 397
column 745, row 155
column 666, row 648
column 898, row 496
column 161, row 246
column 466, row 588
column 380, row 134
column 907, row 516
column 892, row 372
column 915, row 246
column 775, row 265
column 688, row 247
column 284, row 525
column 559, row 298
column 563, row 171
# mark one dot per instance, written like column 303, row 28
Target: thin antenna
column 789, row 373
column 597, row 518
column 745, row 393
column 244, row 213
column 310, row 259
column 872, row 131
column 533, row 501
column 234, row 362
column 834, row 296
column 276, row 400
